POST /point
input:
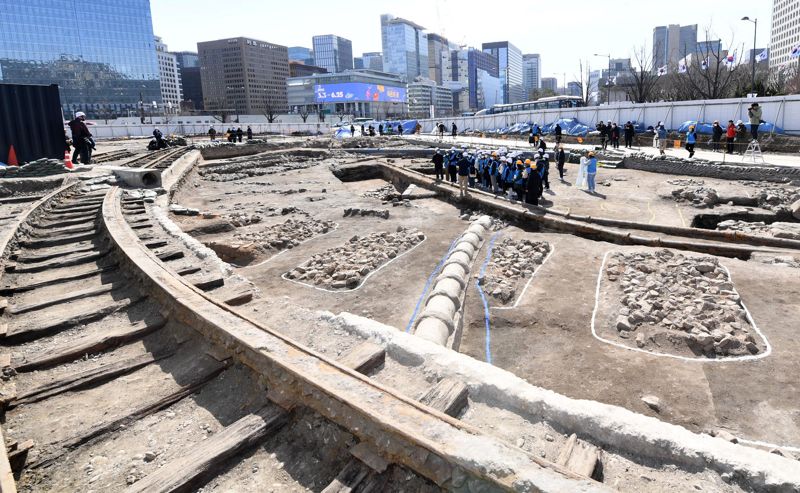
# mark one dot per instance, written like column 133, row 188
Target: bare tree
column 705, row 74
column 270, row 108
column 583, row 81
column 216, row 108
column 642, row 78
column 303, row 110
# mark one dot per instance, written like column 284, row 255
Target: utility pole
column 753, row 55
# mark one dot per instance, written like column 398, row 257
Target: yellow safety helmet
column 494, row 154
column 519, row 161
column 527, row 161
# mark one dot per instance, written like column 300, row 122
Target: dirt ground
column 547, row 339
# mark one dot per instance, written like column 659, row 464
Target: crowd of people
column 232, row 134
column 509, row 173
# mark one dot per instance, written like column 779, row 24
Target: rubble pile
column 686, row 182
column 287, row 234
column 697, row 196
column 353, row 212
column 789, row 231
column 40, row 167
column 240, row 219
column 384, row 193
column 346, row 267
column 672, row 301
column 240, row 169
column 774, row 198
column 513, row 262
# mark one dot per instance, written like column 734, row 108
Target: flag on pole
column 796, row 51
column 731, row 58
column 662, row 70
column 704, row 64
column 682, row 67
column 762, row 56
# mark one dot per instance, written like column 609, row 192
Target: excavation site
column 311, row 314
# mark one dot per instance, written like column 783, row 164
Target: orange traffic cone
column 68, row 160
column 12, row 157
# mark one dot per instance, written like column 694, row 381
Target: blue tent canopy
column 705, row 128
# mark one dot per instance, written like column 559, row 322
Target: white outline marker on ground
column 536, row 271
column 728, row 359
column 363, row 281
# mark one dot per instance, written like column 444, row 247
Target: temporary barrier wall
column 31, row 122
column 783, row 111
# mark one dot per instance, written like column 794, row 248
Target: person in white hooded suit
column 580, row 181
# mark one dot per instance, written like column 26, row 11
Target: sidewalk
column 733, row 159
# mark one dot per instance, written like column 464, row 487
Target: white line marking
column 682, row 358
column 363, row 281
column 536, row 271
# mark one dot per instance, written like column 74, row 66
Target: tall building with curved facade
column 101, row 53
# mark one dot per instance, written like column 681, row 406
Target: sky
column 563, row 33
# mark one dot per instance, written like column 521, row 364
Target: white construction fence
column 783, row 111
column 111, row 131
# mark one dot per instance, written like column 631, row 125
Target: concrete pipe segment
column 442, row 313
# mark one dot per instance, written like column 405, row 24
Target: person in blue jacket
column 494, row 172
column 691, row 140
column 591, row 172
column 508, row 174
column 452, row 164
column 661, row 134
column 543, row 165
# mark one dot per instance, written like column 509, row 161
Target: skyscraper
column 243, row 74
column 301, row 54
column 373, row 60
column 405, row 47
column 785, row 35
column 474, row 78
column 436, row 45
column 673, row 42
column 102, row 72
column 531, row 74
column 189, row 68
column 171, row 91
column 550, row 83
column 509, row 65
column 333, row 53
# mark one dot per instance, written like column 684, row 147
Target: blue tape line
column 433, row 275
column 483, row 298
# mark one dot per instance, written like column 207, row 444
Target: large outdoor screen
column 358, row 91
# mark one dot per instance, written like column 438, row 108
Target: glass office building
column 509, row 64
column 101, row 53
column 405, row 48
column 333, row 53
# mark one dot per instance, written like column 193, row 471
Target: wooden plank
column 85, row 379
column 56, row 240
column 17, row 457
column 203, row 460
column 208, row 282
column 448, row 396
column 26, row 257
column 351, row 476
column 365, row 357
column 578, row 457
column 7, row 483
column 93, row 271
column 239, row 298
column 63, row 230
column 74, row 296
column 90, row 314
column 60, row 263
column 146, row 409
column 168, row 255
column 369, row 456
column 88, row 345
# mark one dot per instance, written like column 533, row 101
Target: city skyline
column 580, row 37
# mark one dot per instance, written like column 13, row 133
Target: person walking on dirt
column 730, row 136
column 352, row 130
column 380, row 129
column 239, row 134
column 614, row 136
column 440, row 127
column 543, row 165
column 557, row 131
column 741, row 136
column 661, row 134
column 438, row 164
column 691, row 140
column 212, row 134
column 249, row 133
column 81, row 138
column 561, row 158
column 452, row 164
column 454, row 130
column 601, row 127
column 716, row 136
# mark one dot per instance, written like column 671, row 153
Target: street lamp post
column 608, row 91
column 753, row 56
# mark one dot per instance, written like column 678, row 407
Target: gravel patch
column 513, row 262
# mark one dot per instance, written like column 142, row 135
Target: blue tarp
column 705, row 128
column 409, row 127
column 569, row 126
